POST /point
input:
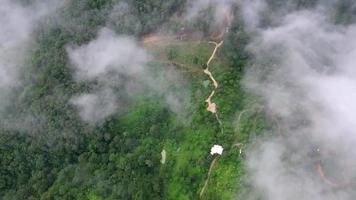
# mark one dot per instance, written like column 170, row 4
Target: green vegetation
column 65, row 158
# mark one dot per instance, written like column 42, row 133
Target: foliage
column 66, row 158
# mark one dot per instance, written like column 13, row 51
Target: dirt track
column 212, row 107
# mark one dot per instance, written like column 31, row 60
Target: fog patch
column 118, row 65
column 95, row 106
column 303, row 69
column 18, row 23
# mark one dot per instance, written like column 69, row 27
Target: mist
column 118, row 69
column 98, row 104
column 18, row 21
column 303, row 69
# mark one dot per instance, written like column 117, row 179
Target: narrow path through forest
column 212, row 108
column 211, row 105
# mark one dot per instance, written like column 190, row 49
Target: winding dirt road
column 211, row 105
column 212, row 108
column 207, row 179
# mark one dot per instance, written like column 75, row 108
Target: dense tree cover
column 65, row 158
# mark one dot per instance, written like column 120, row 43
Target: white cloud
column 95, row 107
column 108, row 53
column 119, row 66
column 304, row 70
column 18, row 23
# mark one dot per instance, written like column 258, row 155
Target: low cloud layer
column 95, row 107
column 304, row 69
column 111, row 61
column 116, row 66
column 18, row 22
column 107, row 54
